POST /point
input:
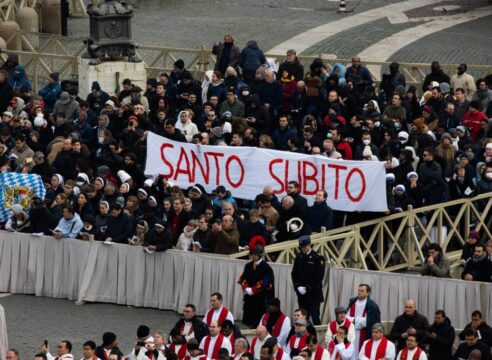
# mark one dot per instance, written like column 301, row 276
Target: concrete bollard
column 7, row 29
column 28, row 20
column 3, row 49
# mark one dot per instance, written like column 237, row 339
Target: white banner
column 244, row 171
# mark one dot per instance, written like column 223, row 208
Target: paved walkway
column 31, row 320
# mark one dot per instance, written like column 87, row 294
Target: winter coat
column 70, row 228
column 233, row 60
column 320, row 215
column 442, row 346
column 403, row 323
column 162, row 241
column 119, row 228
column 19, row 80
column 225, row 242
column 50, row 93
column 294, row 68
column 251, row 58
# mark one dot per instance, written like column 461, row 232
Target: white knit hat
column 124, row 176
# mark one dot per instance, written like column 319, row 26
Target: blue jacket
column 70, row 228
column 320, row 215
column 20, row 80
column 50, row 94
column 251, row 57
column 280, row 138
column 360, row 76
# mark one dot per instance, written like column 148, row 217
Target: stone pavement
column 193, row 23
column 31, row 320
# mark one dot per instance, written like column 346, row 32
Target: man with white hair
column 240, row 347
column 378, row 347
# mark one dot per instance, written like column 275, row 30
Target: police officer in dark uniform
column 307, row 276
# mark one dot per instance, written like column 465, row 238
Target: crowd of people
column 435, row 142
column 356, row 333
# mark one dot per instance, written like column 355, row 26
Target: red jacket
column 472, row 121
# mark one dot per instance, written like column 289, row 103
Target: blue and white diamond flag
column 16, row 188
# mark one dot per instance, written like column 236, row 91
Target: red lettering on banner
column 196, row 161
column 186, row 170
column 241, row 177
column 337, row 176
column 323, row 177
column 286, row 175
column 363, row 187
column 216, row 156
column 310, row 177
column 299, row 177
column 164, row 160
column 275, row 177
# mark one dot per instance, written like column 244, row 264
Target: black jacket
column 308, row 271
column 403, row 323
column 119, row 228
column 162, row 241
column 484, row 333
column 441, row 347
column 464, row 350
column 480, row 270
column 200, row 329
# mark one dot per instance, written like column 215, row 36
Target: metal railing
column 60, row 53
column 396, row 242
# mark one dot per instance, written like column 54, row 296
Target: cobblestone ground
column 32, row 319
column 193, row 23
column 349, row 42
column 462, row 43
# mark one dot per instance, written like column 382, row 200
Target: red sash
column 181, row 354
column 217, row 346
column 232, row 339
column 380, row 352
column 253, row 344
column 279, row 354
column 277, row 327
column 404, row 354
column 302, row 341
column 334, row 325
column 363, row 332
column 331, row 349
column 319, row 353
column 222, row 316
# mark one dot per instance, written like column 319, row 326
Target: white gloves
column 302, row 290
column 248, row 291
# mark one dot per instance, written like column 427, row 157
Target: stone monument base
column 110, row 75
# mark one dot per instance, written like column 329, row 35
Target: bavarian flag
column 17, row 188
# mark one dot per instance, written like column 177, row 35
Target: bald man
column 212, row 343
column 224, row 237
column 409, row 323
column 257, row 342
